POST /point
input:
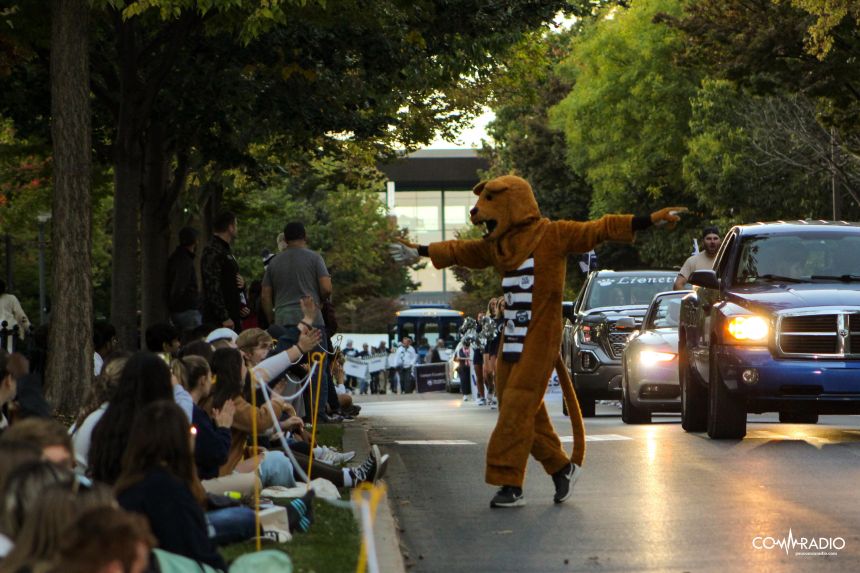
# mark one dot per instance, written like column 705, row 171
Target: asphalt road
column 651, row 498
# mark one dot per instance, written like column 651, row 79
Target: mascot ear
column 496, row 185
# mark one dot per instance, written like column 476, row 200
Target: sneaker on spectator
column 334, row 457
column 372, row 469
column 481, row 402
column 493, row 404
column 465, row 398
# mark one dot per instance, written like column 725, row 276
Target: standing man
column 222, row 283
column 295, row 272
column 182, row 292
column 702, row 261
column 406, row 359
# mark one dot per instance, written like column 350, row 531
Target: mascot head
column 504, row 204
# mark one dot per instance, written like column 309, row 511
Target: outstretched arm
column 475, row 254
column 581, row 237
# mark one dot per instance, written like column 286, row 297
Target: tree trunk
column 128, row 168
column 123, row 300
column 70, row 358
column 154, row 229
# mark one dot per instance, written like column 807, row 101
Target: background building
column 430, row 193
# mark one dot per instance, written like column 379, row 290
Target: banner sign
column 431, row 377
column 355, row 368
column 377, row 363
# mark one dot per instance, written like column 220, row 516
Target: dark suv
column 607, row 310
column 775, row 327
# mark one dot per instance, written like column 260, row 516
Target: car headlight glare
column 650, row 357
column 747, row 328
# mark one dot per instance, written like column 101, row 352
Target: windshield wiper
column 771, row 277
column 842, row 278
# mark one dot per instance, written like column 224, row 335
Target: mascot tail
column 576, row 423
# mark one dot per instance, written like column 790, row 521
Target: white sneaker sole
column 516, row 503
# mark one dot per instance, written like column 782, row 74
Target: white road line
column 597, row 438
column 435, row 443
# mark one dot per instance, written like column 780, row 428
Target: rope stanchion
column 367, row 510
column 318, row 358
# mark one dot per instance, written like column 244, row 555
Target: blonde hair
column 282, row 242
column 251, row 338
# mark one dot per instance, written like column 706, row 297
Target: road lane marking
column 597, row 438
column 435, row 443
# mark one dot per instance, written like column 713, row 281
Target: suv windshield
column 804, row 257
column 620, row 290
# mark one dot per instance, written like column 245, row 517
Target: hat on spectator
column 222, row 333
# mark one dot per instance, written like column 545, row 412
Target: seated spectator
column 106, row 540
column 21, row 489
column 197, row 348
column 14, row 455
column 145, row 379
column 104, row 340
column 222, row 338
column 8, row 388
column 49, row 436
column 159, row 480
column 98, row 395
column 273, row 467
column 54, row 509
column 163, row 339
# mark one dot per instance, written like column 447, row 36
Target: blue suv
column 774, row 327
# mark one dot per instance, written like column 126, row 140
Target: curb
column 388, row 553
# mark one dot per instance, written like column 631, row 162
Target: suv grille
column 813, row 335
column 617, row 341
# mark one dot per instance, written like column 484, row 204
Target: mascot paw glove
column 403, row 253
column 667, row 215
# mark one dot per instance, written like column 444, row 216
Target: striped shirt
column 517, row 286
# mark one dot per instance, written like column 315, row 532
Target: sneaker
column 508, row 496
column 480, row 402
column 564, row 480
column 372, row 469
column 334, row 457
column 466, row 398
column 493, row 404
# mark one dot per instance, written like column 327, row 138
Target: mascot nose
column 473, row 211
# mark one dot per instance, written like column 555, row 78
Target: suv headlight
column 748, row 328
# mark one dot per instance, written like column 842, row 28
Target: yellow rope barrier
column 319, row 358
column 255, row 450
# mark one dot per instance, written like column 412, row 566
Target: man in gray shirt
column 295, row 272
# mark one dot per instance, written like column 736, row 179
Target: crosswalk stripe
column 435, row 443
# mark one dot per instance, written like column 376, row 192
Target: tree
column 626, row 117
column 739, row 162
column 71, row 327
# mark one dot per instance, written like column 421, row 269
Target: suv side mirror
column 625, row 323
column 705, row 278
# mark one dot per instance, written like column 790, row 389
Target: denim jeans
column 276, row 469
column 231, row 524
column 187, row 319
column 290, row 337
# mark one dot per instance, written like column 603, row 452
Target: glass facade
column 430, row 216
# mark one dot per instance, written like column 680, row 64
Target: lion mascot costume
column 530, row 253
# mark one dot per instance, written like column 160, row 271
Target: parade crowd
column 158, row 468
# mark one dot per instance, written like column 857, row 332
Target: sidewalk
column 388, row 549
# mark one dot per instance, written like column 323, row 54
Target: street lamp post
column 42, row 218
